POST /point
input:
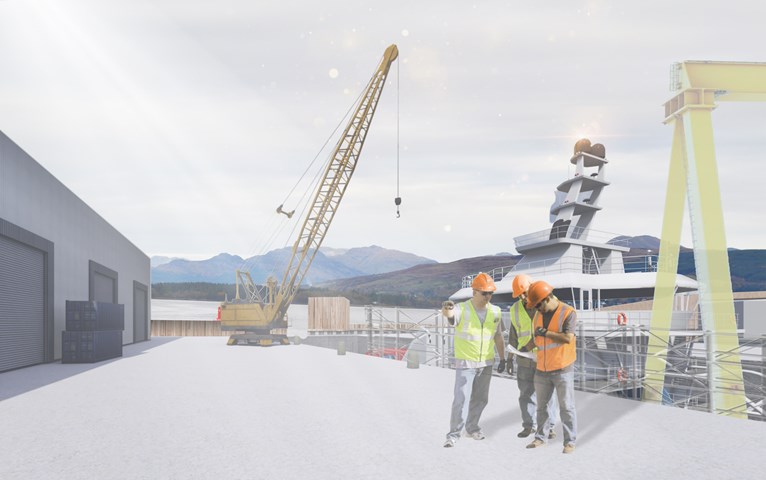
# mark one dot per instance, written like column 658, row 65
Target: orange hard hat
column 537, row 292
column 520, row 284
column 483, row 283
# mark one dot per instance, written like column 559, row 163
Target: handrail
column 573, row 232
column 612, row 358
column 631, row 264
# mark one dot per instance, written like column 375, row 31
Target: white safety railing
column 611, row 355
column 548, row 266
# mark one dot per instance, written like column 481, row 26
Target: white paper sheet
column 531, row 355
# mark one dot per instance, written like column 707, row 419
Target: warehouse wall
column 84, row 245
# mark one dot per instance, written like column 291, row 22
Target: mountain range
column 336, row 264
column 389, row 277
column 329, row 264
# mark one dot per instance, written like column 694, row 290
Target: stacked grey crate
column 93, row 331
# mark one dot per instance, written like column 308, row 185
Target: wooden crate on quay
column 329, row 313
column 188, row 328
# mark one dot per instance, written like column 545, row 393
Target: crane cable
column 271, row 233
column 303, row 202
column 398, row 199
column 338, row 126
column 318, row 175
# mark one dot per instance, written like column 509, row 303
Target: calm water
column 297, row 315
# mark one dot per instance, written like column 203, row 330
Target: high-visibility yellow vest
column 522, row 324
column 553, row 355
column 474, row 341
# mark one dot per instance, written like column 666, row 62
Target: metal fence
column 611, row 357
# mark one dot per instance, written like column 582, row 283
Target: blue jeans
column 525, row 379
column 563, row 384
column 470, row 383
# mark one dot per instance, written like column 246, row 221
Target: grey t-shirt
column 570, row 321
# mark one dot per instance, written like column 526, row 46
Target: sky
column 186, row 123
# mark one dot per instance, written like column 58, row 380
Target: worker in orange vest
column 554, row 326
column 478, row 332
column 521, row 337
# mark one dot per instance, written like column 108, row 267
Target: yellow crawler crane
column 264, row 308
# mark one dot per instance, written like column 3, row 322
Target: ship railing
column 574, row 232
column 630, row 264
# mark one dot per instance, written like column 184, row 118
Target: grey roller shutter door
column 103, row 288
column 139, row 314
column 22, row 305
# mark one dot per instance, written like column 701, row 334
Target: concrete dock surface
column 195, row 408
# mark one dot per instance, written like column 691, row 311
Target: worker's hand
column 501, row 366
column 529, row 346
column 540, row 331
column 509, row 368
column 448, row 308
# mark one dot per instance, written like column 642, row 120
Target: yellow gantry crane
column 693, row 176
column 264, row 307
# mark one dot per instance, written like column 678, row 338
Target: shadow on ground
column 22, row 380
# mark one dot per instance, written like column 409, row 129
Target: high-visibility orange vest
column 553, row 355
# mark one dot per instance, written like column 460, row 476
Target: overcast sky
column 186, row 123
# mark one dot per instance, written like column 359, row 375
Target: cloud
column 213, row 111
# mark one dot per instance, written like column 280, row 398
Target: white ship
column 586, row 267
column 592, row 271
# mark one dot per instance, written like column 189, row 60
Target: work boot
column 536, row 443
column 526, row 432
column 551, row 435
column 451, row 441
column 569, row 448
column 477, row 435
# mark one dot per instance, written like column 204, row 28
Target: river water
column 297, row 315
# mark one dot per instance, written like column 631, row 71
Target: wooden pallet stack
column 329, row 313
column 187, row 328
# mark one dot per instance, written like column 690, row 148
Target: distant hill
column 158, row 260
column 339, row 263
column 424, row 283
column 642, row 244
column 748, row 269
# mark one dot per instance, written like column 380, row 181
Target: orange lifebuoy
column 622, row 375
column 622, row 319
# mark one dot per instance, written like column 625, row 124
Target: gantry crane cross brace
column 258, row 319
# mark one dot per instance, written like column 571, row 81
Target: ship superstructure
column 593, row 271
column 587, row 268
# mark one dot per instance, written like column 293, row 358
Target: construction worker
column 554, row 326
column 478, row 324
column 520, row 337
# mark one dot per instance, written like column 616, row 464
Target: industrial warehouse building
column 54, row 248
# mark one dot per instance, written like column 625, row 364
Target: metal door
column 22, row 305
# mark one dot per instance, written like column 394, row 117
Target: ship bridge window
column 559, row 229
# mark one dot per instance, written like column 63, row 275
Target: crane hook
column 398, row 201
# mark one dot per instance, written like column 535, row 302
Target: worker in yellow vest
column 521, row 337
column 478, row 332
column 554, row 323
